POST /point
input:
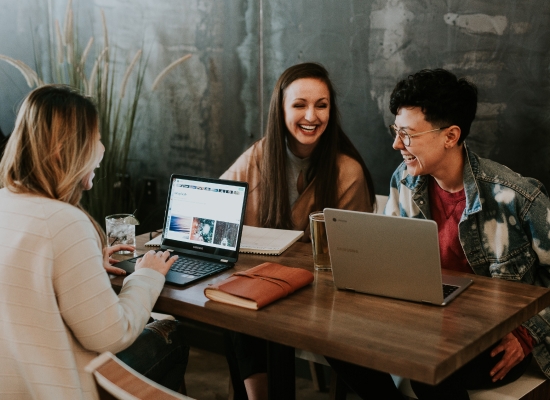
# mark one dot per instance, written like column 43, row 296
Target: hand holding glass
column 121, row 229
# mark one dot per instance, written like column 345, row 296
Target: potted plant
column 117, row 97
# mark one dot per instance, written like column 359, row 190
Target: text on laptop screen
column 205, row 213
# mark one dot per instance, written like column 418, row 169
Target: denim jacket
column 504, row 229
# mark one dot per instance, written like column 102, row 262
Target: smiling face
column 426, row 154
column 306, row 105
column 87, row 181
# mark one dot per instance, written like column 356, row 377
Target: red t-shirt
column 447, row 209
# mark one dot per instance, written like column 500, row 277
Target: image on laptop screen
column 204, row 214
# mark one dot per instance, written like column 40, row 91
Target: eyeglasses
column 405, row 137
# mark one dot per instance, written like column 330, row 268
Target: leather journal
column 259, row 286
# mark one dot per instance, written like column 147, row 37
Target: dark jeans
column 474, row 375
column 160, row 353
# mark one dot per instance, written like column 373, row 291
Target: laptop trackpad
column 178, row 278
column 128, row 265
column 175, row 277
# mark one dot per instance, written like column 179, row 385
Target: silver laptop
column 202, row 225
column 389, row 256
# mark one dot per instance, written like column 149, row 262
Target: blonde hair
column 53, row 146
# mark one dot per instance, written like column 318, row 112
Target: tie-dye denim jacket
column 504, row 229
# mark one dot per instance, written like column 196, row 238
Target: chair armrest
column 124, row 383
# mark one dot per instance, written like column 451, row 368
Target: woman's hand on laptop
column 108, row 261
column 157, row 260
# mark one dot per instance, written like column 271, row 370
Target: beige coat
column 57, row 307
column 353, row 193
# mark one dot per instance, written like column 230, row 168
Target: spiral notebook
column 256, row 240
column 267, row 241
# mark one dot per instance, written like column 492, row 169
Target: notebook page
column 267, row 240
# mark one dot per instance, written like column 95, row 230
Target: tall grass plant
column 117, row 97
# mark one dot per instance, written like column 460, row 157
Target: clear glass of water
column 121, row 229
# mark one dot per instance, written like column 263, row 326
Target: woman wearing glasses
column 58, row 309
column 491, row 222
column 304, row 163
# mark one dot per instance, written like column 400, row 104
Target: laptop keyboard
column 191, row 267
column 448, row 290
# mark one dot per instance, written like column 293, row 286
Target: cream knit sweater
column 57, row 307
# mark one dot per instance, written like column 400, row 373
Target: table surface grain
column 413, row 340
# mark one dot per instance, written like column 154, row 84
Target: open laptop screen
column 204, row 215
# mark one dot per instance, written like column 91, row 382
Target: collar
column 471, row 189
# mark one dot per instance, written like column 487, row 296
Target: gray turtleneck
column 294, row 166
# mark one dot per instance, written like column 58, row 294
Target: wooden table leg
column 280, row 371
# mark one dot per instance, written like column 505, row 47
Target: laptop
column 203, row 224
column 389, row 256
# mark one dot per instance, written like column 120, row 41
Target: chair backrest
column 116, row 380
column 381, row 201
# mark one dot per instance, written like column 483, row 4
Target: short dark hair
column 443, row 98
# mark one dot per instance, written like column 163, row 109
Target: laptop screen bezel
column 210, row 252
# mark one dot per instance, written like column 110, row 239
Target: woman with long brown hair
column 58, row 309
column 304, row 163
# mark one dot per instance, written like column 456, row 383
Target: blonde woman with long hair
column 57, row 307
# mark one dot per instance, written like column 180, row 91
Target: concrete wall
column 210, row 109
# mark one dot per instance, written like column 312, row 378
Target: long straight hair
column 275, row 209
column 53, row 146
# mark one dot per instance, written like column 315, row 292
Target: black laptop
column 202, row 225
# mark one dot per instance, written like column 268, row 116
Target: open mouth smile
column 308, row 128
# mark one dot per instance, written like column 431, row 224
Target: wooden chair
column 116, row 380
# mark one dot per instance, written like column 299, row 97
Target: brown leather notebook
column 259, row 286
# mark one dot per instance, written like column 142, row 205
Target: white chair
column 159, row 316
column 532, row 385
column 116, row 380
column 381, row 201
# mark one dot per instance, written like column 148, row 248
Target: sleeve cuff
column 524, row 338
column 147, row 272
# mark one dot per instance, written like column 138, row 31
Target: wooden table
column 417, row 341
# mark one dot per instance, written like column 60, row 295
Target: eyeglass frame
column 395, row 132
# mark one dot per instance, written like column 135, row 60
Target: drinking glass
column 319, row 243
column 121, row 229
